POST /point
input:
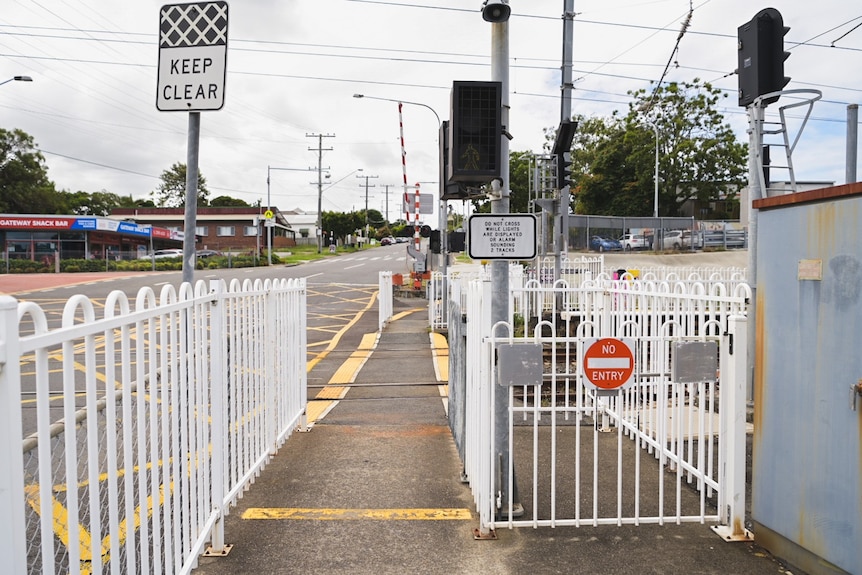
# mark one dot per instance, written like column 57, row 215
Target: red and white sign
column 609, row 363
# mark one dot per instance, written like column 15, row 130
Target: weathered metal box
column 807, row 465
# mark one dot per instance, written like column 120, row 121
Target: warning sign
column 502, row 236
column 609, row 363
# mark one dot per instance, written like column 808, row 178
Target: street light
column 17, row 79
column 655, row 176
column 441, row 216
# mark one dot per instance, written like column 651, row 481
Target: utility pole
column 387, row 186
column 366, row 201
column 320, row 169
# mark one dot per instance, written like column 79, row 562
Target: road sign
column 502, row 236
column 609, row 363
column 426, row 203
column 192, row 56
column 268, row 214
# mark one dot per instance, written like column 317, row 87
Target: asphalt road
column 338, row 289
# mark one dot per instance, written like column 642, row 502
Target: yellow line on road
column 334, row 342
column 346, row 373
column 309, row 514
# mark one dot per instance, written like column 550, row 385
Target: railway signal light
column 761, row 57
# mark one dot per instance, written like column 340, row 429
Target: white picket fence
column 171, row 405
column 557, row 430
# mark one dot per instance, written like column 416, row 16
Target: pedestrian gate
column 668, row 447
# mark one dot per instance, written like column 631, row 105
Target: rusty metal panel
column 807, row 470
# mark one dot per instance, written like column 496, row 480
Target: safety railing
column 170, row 405
column 384, row 299
column 687, row 427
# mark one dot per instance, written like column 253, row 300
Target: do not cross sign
column 609, row 363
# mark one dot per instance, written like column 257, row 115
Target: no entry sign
column 609, row 363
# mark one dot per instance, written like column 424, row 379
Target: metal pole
column 267, row 222
column 852, row 141
column 500, row 268
column 655, row 176
column 755, row 192
column 190, row 223
column 320, row 194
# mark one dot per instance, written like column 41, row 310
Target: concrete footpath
column 374, row 488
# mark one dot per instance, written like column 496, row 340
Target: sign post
column 191, row 78
column 609, row 363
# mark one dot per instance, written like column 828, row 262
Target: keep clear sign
column 502, row 236
column 192, row 56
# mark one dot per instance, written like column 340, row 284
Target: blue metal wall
column 807, row 467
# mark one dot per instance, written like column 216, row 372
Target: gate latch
column 855, row 392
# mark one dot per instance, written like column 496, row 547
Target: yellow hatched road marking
column 310, row 514
column 346, row 373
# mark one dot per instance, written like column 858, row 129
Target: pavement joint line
column 325, row 514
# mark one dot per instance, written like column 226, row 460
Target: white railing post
column 384, row 300
column 270, row 355
column 13, row 548
column 731, row 496
column 219, row 424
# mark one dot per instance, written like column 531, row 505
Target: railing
column 384, row 299
column 171, row 405
column 682, row 425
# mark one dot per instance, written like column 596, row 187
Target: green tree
column 520, row 181
column 95, row 204
column 342, row 224
column 24, row 184
column 613, row 158
column 228, row 202
column 171, row 193
column 699, row 156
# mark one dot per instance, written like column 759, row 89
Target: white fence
column 675, row 447
column 170, row 405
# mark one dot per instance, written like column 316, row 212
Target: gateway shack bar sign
column 192, row 57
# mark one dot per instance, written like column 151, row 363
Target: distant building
column 304, row 223
column 229, row 229
column 41, row 237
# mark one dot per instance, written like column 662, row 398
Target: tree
column 612, row 186
column 95, row 204
column 520, row 177
column 342, row 224
column 613, row 158
column 24, row 184
column 699, row 156
column 171, row 193
column 228, row 202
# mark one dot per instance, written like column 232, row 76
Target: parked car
column 680, row 239
column 631, row 242
column 163, row 254
column 208, row 253
column 600, row 244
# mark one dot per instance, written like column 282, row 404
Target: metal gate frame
column 557, row 453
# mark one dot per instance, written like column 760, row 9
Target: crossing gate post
column 731, row 496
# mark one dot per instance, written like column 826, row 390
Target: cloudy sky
column 293, row 67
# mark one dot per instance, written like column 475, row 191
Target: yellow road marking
column 309, row 514
column 332, row 344
column 440, row 352
column 346, row 373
